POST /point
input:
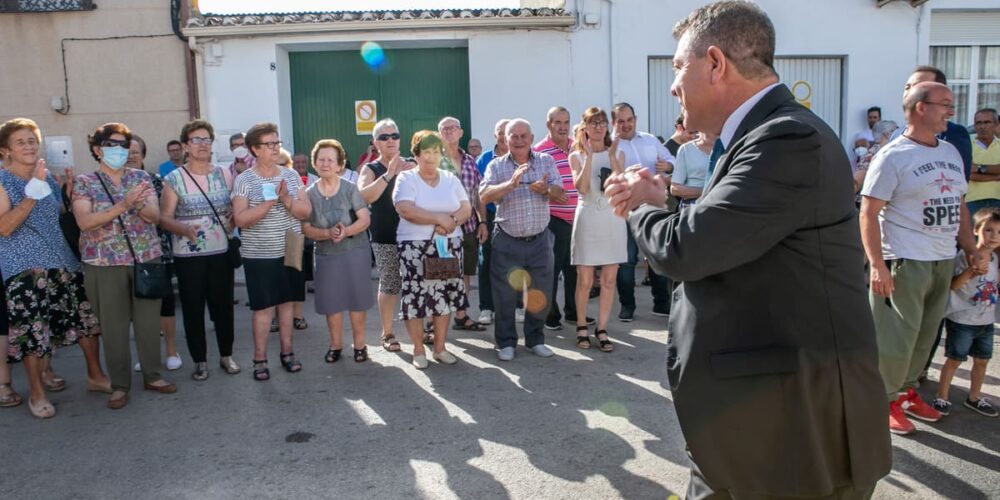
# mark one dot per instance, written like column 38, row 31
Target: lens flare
column 519, row 279
column 614, row 409
column 536, row 301
column 373, row 55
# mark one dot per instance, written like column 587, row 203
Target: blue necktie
column 717, row 151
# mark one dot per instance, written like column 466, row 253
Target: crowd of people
column 87, row 259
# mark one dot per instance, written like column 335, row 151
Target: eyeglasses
column 597, row 124
column 386, row 137
column 949, row 106
column 449, row 128
column 270, row 145
column 207, row 141
column 111, row 143
column 981, row 122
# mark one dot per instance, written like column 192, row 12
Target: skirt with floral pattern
column 47, row 308
column 423, row 298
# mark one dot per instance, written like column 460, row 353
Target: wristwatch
column 981, row 169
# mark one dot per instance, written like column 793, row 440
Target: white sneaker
column 505, row 354
column 519, row 315
column 542, row 351
column 486, row 317
column 174, row 362
column 420, row 362
column 445, row 357
column 137, row 367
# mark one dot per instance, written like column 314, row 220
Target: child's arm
column 962, row 278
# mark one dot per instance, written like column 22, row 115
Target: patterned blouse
column 192, row 208
column 38, row 242
column 105, row 245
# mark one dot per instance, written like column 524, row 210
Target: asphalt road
column 581, row 425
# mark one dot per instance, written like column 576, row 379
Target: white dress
column 599, row 236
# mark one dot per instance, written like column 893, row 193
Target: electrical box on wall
column 59, row 151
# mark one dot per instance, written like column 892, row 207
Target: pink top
column 565, row 211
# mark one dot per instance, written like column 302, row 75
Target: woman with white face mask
column 242, row 159
column 117, row 211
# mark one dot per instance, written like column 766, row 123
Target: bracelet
column 384, row 178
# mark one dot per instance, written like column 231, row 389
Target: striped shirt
column 468, row 173
column 565, row 211
column 266, row 238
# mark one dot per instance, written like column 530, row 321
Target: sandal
column 55, row 383
column 468, row 325
column 605, row 345
column 300, row 323
column 332, row 355
column 43, row 410
column 582, row 341
column 289, row 362
column 428, row 338
column 390, row 344
column 260, row 371
column 10, row 397
column 361, row 355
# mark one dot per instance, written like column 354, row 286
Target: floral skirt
column 47, row 308
column 423, row 298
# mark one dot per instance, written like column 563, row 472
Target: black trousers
column 205, row 280
column 562, row 233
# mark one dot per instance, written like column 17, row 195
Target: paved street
column 584, row 424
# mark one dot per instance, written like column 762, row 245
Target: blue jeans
column 661, row 285
column 968, row 340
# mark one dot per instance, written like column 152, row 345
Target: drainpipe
column 199, row 65
column 613, row 61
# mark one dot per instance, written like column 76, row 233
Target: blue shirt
column 166, row 167
column 38, row 243
column 485, row 159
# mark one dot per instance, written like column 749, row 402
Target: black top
column 385, row 219
column 672, row 146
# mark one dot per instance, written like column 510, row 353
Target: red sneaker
column 898, row 423
column 917, row 408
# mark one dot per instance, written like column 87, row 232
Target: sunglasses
column 386, row 137
column 112, row 143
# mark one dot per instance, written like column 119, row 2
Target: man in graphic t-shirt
column 912, row 212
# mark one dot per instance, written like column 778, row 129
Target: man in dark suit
column 772, row 358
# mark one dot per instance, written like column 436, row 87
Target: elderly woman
column 882, row 131
column 432, row 206
column 268, row 203
column 168, row 307
column 117, row 211
column 338, row 224
column 45, row 304
column 197, row 209
column 376, row 182
column 599, row 237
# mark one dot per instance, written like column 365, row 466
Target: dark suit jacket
column 958, row 136
column 772, row 358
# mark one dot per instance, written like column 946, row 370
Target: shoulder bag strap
column 210, row 205
column 120, row 220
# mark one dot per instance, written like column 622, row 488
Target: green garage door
column 415, row 87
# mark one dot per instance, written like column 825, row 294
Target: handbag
column 440, row 268
column 233, row 250
column 151, row 280
column 294, row 245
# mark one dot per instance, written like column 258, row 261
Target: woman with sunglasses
column 117, row 211
column 376, row 182
column 44, row 285
column 268, row 202
column 197, row 208
column 599, row 236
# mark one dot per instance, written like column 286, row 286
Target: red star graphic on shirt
column 944, row 183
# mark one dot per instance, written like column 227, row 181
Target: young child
column 970, row 315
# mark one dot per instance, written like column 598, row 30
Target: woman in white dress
column 599, row 237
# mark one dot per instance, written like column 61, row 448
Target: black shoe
column 595, row 292
column 553, row 324
column 982, row 407
column 661, row 310
column 572, row 319
column 627, row 314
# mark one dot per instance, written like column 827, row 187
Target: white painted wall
column 524, row 72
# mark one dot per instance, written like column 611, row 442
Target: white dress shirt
column 644, row 149
column 729, row 128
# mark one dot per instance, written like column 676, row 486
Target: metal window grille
column 9, row 6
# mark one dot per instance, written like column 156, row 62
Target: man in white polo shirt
column 643, row 149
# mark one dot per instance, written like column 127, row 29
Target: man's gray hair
column 383, row 124
column 883, row 127
column 990, row 111
column 501, row 127
column 553, row 110
column 441, row 122
column 517, row 121
column 739, row 28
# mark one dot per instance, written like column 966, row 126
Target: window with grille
column 9, row 6
column 973, row 75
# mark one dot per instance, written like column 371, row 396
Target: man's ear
column 718, row 63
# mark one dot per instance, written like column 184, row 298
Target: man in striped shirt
column 561, row 211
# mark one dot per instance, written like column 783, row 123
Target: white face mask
column 241, row 152
column 860, row 151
